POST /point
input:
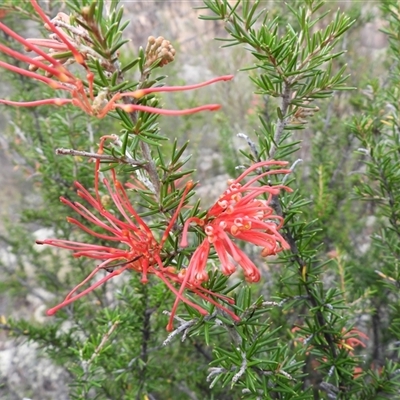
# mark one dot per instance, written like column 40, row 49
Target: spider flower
column 82, row 94
column 140, row 251
column 131, row 246
column 239, row 214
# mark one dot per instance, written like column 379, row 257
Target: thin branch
column 293, row 166
column 242, row 368
column 74, row 30
column 185, row 325
column 252, row 145
column 151, row 168
column 103, row 342
column 280, row 126
column 310, row 57
column 322, row 322
column 103, row 157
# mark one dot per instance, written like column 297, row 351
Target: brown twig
column 103, row 341
column 103, row 157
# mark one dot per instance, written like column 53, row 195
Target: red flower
column 132, row 245
column 239, row 215
column 350, row 340
column 83, row 94
column 140, row 251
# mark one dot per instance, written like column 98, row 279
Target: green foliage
column 299, row 333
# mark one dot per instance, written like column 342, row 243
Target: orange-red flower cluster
column 132, row 244
column 97, row 102
column 239, row 214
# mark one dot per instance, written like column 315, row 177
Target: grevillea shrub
column 282, row 286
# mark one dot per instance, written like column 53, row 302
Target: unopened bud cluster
column 159, row 49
